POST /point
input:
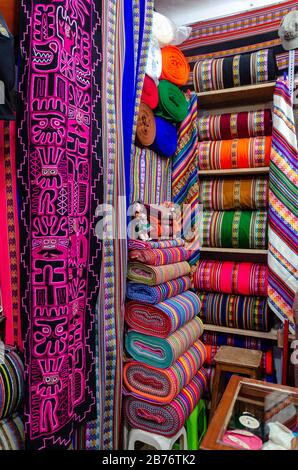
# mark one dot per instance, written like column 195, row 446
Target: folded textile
column 163, row 385
column 163, row 352
column 237, row 153
column 146, row 130
column 172, row 104
column 166, row 139
column 235, row 125
column 235, row 229
column 227, row 194
column 150, row 92
column 175, row 67
column 166, row 420
column 248, row 342
column 149, row 245
column 160, row 256
column 11, row 383
column 153, row 275
column 230, row 277
column 238, row 70
column 235, row 311
column 156, row 294
column 12, row 433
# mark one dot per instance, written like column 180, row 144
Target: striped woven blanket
column 163, row 352
column 12, row 433
column 160, row 256
column 154, row 275
column 164, row 318
column 163, row 385
column 248, row 342
column 156, row 294
column 148, row 245
column 166, row 420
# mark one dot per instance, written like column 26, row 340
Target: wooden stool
column 238, row 361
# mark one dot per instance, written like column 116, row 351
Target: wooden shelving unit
column 234, row 172
column 245, row 251
column 270, row 335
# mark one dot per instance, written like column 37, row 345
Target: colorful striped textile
column 11, row 383
column 235, row 229
column 157, row 385
column 150, row 177
column 164, row 318
column 12, row 433
column 235, row 125
column 283, row 208
column 151, row 244
column 163, row 352
column 230, row 277
column 160, row 256
column 237, row 153
column 235, row 311
column 154, row 275
column 222, row 194
column 155, row 294
column 248, row 342
column 238, row 70
column 166, row 420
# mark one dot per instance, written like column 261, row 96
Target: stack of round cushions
column 150, row 93
column 146, row 128
column 175, row 67
column 11, row 383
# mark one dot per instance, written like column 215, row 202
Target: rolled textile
column 150, row 92
column 163, row 352
column 163, row 385
column 11, row 383
column 230, row 277
column 238, row 70
column 175, row 67
column 235, row 311
column 146, row 130
column 172, row 104
column 149, row 245
column 248, row 342
column 154, row 275
column 166, row 420
column 166, row 139
column 235, row 229
column 164, row 318
column 12, row 433
column 160, row 256
column 237, row 153
column 156, row 294
column 222, row 194
column 235, row 125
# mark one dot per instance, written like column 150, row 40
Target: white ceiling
column 191, row 11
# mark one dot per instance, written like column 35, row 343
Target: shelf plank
column 260, row 93
column 245, row 251
column 235, row 171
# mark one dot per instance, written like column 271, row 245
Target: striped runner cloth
column 154, row 275
column 151, row 244
column 160, row 256
column 159, row 293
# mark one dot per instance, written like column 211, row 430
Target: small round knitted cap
column 288, row 31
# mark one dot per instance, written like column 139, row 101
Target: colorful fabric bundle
column 164, row 318
column 175, row 67
column 166, row 420
column 150, row 93
column 222, row 194
column 235, row 125
column 238, row 70
column 283, row 208
column 159, row 256
column 157, row 385
column 151, row 244
column 162, row 352
column 146, row 129
column 172, row 104
column 235, row 229
column 165, row 142
column 235, row 311
column 156, row 294
column 237, row 153
column 248, row 342
column 154, row 275
column 11, row 383
column 12, row 433
column 230, row 277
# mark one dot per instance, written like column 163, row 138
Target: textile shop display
column 230, row 277
column 235, row 311
column 159, row 256
column 59, row 177
column 234, row 71
column 7, row 72
column 165, row 142
column 166, row 420
column 155, row 294
column 172, row 104
column 157, row 385
column 283, row 209
column 235, row 229
column 150, row 92
column 222, row 194
column 236, row 153
column 154, row 275
column 164, row 318
column 175, row 67
column 12, row 433
column 161, row 352
column 146, row 129
column 151, row 244
column 235, row 125
column 11, row 383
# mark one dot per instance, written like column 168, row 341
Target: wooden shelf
column 270, row 335
column 260, row 93
column 236, row 171
column 245, row 251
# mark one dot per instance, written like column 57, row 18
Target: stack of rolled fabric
column 163, row 376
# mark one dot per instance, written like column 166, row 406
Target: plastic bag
column 167, row 32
